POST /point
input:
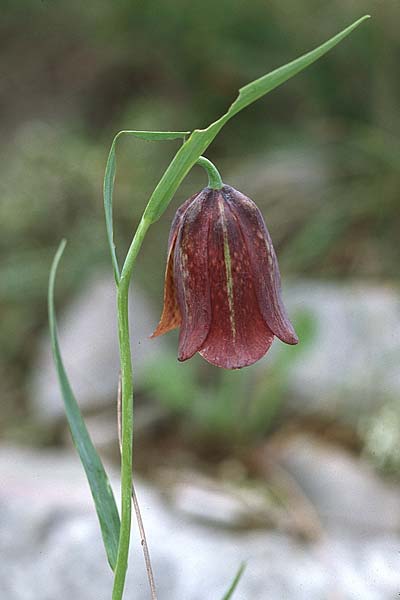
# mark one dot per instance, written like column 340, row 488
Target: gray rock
column 221, row 504
column 345, row 491
column 51, row 548
column 89, row 345
column 352, row 361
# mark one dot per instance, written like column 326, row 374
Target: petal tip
column 182, row 357
column 293, row 339
column 157, row 332
column 287, row 335
column 167, row 323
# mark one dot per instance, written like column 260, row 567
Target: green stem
column 126, row 411
column 214, row 178
column 214, row 182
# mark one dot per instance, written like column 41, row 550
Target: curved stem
column 126, row 411
column 214, row 178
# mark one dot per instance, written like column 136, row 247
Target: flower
column 222, row 281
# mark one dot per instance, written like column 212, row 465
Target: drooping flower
column 222, row 281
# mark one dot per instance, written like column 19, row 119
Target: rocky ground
column 305, row 509
column 51, row 548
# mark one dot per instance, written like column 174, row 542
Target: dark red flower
column 222, row 282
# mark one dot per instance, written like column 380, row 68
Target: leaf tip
column 362, row 19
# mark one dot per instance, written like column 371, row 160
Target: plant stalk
column 126, row 410
column 143, row 538
column 214, row 178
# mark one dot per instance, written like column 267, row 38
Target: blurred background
column 292, row 464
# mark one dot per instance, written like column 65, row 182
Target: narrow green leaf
column 109, row 179
column 235, row 582
column 258, row 88
column 200, row 139
column 155, row 136
column 98, row 481
column 108, row 187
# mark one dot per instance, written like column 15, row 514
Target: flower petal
column 178, row 219
column 191, row 275
column 263, row 262
column 238, row 335
column 171, row 315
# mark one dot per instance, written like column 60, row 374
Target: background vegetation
column 320, row 155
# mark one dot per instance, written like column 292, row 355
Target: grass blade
column 155, row 136
column 108, row 187
column 258, row 88
column 200, row 139
column 98, row 481
column 235, row 582
column 109, row 180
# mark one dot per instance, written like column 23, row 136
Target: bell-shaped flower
column 222, row 281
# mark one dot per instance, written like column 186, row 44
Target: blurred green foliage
column 74, row 73
column 380, row 435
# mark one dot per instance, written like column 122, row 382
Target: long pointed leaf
column 98, row 481
column 258, row 88
column 200, row 139
column 109, row 179
column 235, row 582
